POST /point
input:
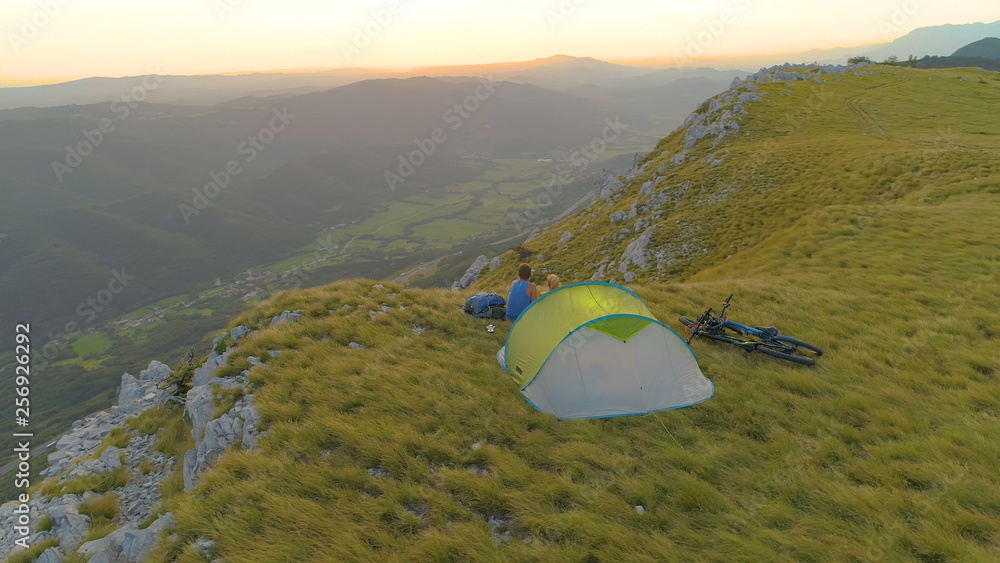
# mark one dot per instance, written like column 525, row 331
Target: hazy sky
column 128, row 37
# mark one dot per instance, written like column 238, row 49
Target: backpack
column 486, row 306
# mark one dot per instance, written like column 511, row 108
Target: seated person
column 522, row 293
column 552, row 282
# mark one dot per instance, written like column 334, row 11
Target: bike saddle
column 770, row 330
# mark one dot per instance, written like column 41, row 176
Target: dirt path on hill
column 869, row 125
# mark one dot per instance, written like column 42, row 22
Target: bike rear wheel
column 775, row 352
column 798, row 343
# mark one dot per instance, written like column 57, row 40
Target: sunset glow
column 66, row 39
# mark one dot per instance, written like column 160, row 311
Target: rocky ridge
column 138, row 525
column 644, row 241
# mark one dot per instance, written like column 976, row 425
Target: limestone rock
column 698, row 131
column 471, row 275
column 190, row 469
column 50, row 555
column 69, row 526
column 111, row 459
column 207, row 370
column 200, row 406
column 635, row 253
column 608, row 185
column 286, row 316
column 494, row 263
column 238, row 333
column 131, row 390
column 564, row 239
column 157, row 372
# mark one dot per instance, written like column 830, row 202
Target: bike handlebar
column 726, row 305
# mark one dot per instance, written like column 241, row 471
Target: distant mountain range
column 940, row 40
column 559, row 72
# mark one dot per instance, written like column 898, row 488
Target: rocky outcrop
column 608, row 185
column 75, row 458
column 135, row 397
column 635, row 253
column 471, row 275
column 50, row 555
column 566, row 237
column 495, row 263
column 283, row 317
column 237, row 427
column 789, row 72
column 127, row 543
column 68, row 525
column 146, row 470
column 534, row 234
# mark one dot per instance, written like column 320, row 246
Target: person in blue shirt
column 522, row 293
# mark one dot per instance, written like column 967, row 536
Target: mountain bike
column 765, row 340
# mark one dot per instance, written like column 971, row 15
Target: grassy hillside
column 864, row 224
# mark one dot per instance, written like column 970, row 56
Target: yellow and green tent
column 594, row 350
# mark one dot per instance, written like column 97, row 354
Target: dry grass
column 95, row 483
column 103, row 512
column 119, row 438
column 31, row 554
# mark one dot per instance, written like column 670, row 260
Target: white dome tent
column 594, row 350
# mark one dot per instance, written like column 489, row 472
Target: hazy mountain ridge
column 988, row 48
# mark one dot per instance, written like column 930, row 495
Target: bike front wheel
column 691, row 325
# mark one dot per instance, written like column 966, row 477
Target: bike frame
column 749, row 331
column 738, row 328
